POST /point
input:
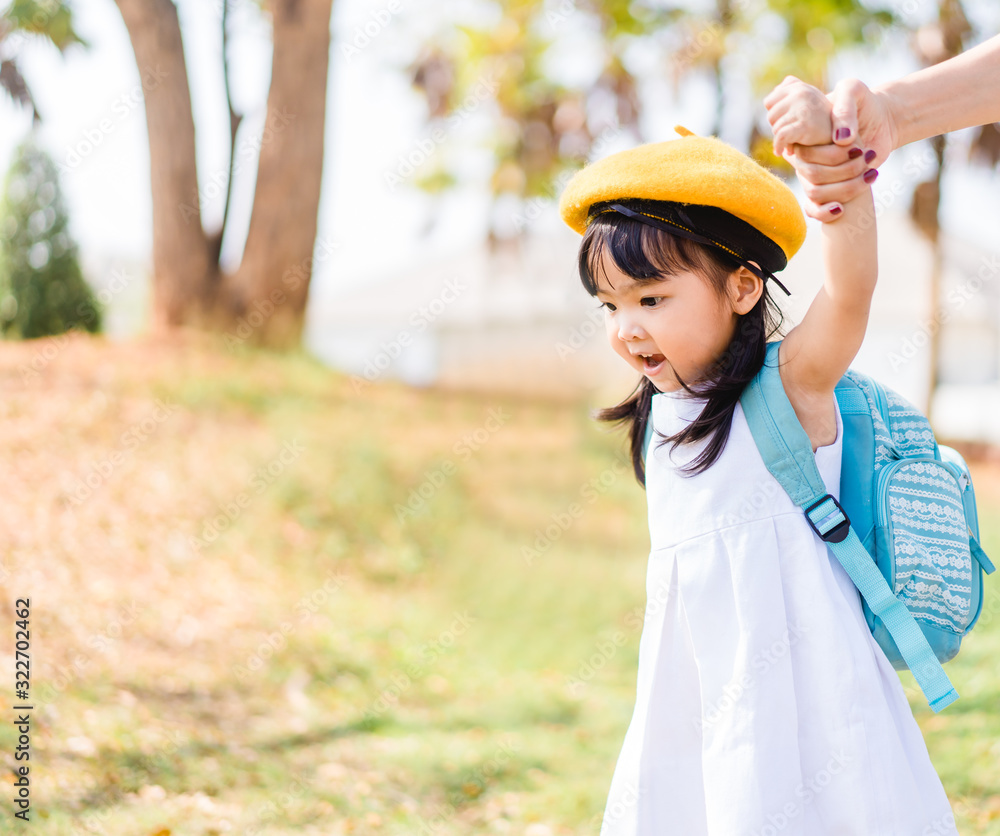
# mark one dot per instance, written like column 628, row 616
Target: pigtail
column 633, row 412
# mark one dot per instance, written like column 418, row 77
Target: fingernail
column 869, row 156
column 870, row 175
column 854, row 153
column 842, row 133
column 836, row 210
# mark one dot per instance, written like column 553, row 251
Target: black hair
column 647, row 254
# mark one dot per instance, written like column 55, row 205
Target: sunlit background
column 384, row 239
column 452, row 661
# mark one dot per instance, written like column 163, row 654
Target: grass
column 288, row 606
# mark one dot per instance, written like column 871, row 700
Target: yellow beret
column 696, row 170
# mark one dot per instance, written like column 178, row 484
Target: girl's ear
column 745, row 290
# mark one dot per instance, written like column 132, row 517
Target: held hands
column 800, row 114
column 804, row 122
column 831, row 176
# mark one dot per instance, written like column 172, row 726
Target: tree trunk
column 273, row 276
column 724, row 19
column 937, row 280
column 940, row 42
column 183, row 272
column 264, row 300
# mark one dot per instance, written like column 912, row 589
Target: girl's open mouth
column 651, row 363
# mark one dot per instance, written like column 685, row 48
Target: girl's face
column 677, row 326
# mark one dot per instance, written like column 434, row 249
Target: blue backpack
column 905, row 528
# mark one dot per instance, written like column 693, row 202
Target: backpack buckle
column 837, row 533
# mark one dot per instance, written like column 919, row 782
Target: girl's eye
column 650, row 301
column 608, row 306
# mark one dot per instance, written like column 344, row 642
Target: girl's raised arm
column 817, row 351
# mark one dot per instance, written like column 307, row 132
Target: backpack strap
column 980, row 555
column 788, row 455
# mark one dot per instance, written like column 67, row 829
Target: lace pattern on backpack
column 930, row 539
column 925, row 525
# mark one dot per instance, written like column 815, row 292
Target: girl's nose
column 629, row 329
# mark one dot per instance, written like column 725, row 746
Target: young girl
column 764, row 706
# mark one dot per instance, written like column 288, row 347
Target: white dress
column 764, row 707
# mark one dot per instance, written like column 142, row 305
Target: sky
column 94, row 126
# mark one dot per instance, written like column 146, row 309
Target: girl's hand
column 831, row 176
column 799, row 114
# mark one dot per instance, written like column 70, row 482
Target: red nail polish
column 854, row 153
column 870, row 175
column 836, row 210
column 842, row 133
column 869, row 156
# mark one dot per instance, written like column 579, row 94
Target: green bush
column 42, row 289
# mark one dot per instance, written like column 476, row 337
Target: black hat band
column 771, row 256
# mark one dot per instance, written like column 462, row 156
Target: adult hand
column 860, row 125
column 831, row 176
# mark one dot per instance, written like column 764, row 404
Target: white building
column 522, row 322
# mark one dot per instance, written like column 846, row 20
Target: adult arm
column 959, row 93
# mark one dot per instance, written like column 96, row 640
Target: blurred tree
column 266, row 295
column 934, row 43
column 42, row 289
column 705, row 40
column 808, row 37
column 50, row 19
column 813, row 33
column 546, row 125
